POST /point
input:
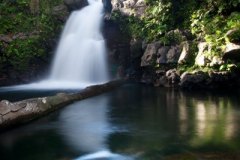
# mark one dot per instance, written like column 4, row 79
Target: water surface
column 133, row 122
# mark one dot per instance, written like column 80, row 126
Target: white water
column 80, row 58
column 80, row 55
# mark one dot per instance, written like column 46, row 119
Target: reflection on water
column 85, row 126
column 141, row 121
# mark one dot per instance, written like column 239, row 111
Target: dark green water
column 134, row 122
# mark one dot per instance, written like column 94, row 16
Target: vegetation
column 28, row 25
column 207, row 20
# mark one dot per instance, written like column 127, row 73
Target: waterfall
column 80, row 56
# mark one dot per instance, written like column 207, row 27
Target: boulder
column 150, row 55
column 233, row 35
column 173, row 77
column 162, row 54
column 232, row 52
column 130, row 7
column 194, row 80
column 187, row 55
column 173, row 54
column 201, row 59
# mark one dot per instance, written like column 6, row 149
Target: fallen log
column 17, row 113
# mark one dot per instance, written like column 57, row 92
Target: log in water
column 16, row 113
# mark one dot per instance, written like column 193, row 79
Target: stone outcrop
column 157, row 53
column 129, row 7
column 232, row 52
column 209, row 80
column 17, row 113
column 202, row 59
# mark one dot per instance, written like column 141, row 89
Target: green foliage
column 157, row 19
column 16, row 17
column 213, row 28
column 151, row 25
column 20, row 52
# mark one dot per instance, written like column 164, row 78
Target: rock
column 172, row 77
column 148, row 76
column 107, row 6
column 150, row 55
column 173, row 54
column 232, row 52
column 216, row 61
column 162, row 54
column 233, row 35
column 194, row 80
column 130, row 7
column 187, row 55
column 75, row 4
column 61, row 12
column 156, row 53
column 201, row 59
column 5, row 38
column 5, row 107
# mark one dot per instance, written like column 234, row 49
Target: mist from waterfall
column 80, row 56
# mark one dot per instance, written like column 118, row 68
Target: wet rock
column 107, row 6
column 173, row 77
column 17, row 107
column 5, row 107
column 194, row 80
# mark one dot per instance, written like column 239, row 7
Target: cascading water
column 80, row 56
column 81, row 52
